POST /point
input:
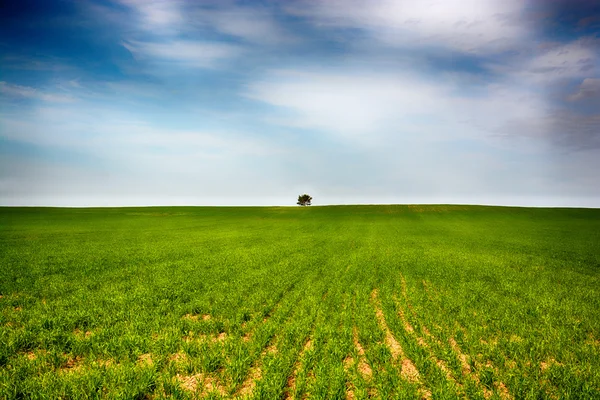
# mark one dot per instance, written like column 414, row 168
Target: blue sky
column 151, row 102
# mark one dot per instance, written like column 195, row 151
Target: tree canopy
column 304, row 200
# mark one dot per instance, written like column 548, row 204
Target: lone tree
column 304, row 200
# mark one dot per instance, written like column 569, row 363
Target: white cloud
column 33, row 93
column 346, row 104
column 158, row 15
column 480, row 26
column 185, row 53
column 576, row 59
column 172, row 17
column 252, row 24
column 376, row 106
column 589, row 89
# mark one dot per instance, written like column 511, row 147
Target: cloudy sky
column 145, row 102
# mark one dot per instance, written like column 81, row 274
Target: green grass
column 323, row 302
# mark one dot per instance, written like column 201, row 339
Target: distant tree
column 304, row 200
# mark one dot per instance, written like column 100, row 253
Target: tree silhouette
column 304, row 200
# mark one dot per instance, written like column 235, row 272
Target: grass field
column 287, row 303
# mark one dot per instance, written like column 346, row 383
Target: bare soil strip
column 291, row 382
column 72, row 365
column 364, row 369
column 255, row 372
column 363, row 366
column 423, row 343
column 499, row 385
column 464, row 359
column 348, row 363
column 466, row 367
column 201, row 384
column 409, row 371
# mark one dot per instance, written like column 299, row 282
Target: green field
column 288, row 303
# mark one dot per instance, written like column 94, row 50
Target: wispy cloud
column 12, row 90
column 153, row 15
column 588, row 90
column 379, row 105
column 255, row 25
column 479, row 26
column 575, row 59
column 184, row 53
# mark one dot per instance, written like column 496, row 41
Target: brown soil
column 207, row 384
column 544, row 365
column 390, row 340
column 409, row 371
column 72, row 364
column 249, row 384
column 464, row 360
column 363, row 367
column 291, row 381
column 220, row 337
column 145, row 359
column 407, row 326
column 178, row 357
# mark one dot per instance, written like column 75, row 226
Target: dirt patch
column 105, row 363
column 291, row 385
column 220, row 337
column 254, row 375
column 466, row 367
column 190, row 317
column 464, row 360
column 197, row 337
column 390, row 340
column 73, row 364
column 178, row 357
column 271, row 349
column 409, row 371
column 201, row 382
column 291, row 381
column 145, row 359
column 423, row 343
column 348, row 362
column 31, row 356
column 407, row 326
column 404, row 291
column 188, row 383
column 350, row 390
column 544, row 365
column 592, row 341
column 363, row 367
column 503, row 391
column 211, row 384
column 426, row 331
column 206, row 317
column 82, row 335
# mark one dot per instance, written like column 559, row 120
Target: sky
column 152, row 102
